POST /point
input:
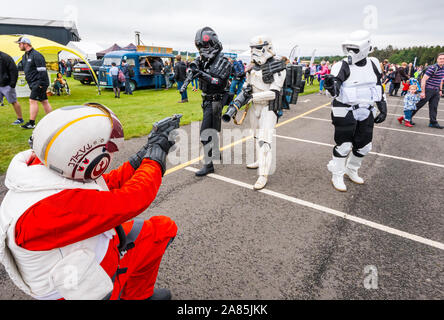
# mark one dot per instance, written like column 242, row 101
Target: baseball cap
column 23, row 40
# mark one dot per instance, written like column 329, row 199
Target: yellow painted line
column 302, row 115
column 182, row 165
column 188, row 163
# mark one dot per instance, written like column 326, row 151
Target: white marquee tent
column 88, row 49
column 245, row 56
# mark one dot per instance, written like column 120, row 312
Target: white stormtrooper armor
column 360, row 88
column 262, row 119
column 355, row 82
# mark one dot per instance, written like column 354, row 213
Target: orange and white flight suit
column 45, row 217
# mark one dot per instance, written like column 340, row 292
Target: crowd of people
column 404, row 76
column 65, row 67
column 60, row 183
column 236, row 79
column 420, row 85
column 316, row 71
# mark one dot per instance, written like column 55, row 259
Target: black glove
column 195, row 71
column 328, row 81
column 156, row 149
column 332, row 84
column 382, row 106
column 158, row 144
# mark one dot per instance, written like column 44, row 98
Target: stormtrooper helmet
column 261, row 49
column 357, row 47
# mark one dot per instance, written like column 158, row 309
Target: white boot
column 255, row 164
column 337, row 167
column 265, row 158
column 351, row 169
column 260, row 183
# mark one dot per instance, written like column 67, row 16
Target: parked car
column 82, row 73
column 140, row 62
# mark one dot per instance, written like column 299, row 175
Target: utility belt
column 342, row 110
column 212, row 96
column 356, row 106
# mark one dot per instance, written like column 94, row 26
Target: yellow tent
column 48, row 48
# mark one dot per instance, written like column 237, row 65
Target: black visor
column 355, row 50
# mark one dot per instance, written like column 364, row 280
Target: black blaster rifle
column 168, row 124
column 242, row 99
column 191, row 74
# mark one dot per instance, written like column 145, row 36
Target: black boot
column 206, row 169
column 160, row 294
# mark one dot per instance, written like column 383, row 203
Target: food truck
column 140, row 61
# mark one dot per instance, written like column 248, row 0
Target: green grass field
column 137, row 112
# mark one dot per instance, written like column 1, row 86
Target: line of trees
column 317, row 60
column 423, row 54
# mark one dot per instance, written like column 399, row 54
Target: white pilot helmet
column 77, row 141
column 357, row 46
column 261, row 49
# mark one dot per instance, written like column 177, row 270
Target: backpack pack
column 293, row 85
column 239, row 68
column 415, row 82
column 121, row 76
column 421, row 75
column 131, row 71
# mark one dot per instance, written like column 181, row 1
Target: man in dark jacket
column 410, row 70
column 34, row 66
column 157, row 69
column 180, row 73
column 8, row 80
column 126, row 72
column 399, row 76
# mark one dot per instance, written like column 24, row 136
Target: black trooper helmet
column 207, row 43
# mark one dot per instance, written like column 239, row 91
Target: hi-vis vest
column 360, row 88
column 43, row 274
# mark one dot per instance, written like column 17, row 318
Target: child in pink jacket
column 324, row 70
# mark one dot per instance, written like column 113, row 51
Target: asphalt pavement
column 299, row 238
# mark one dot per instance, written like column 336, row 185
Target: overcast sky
column 320, row 24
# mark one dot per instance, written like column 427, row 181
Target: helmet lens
column 259, row 47
column 354, row 50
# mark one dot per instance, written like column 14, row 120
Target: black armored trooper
column 213, row 70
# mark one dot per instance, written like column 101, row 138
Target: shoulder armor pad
column 271, row 67
column 336, row 68
column 221, row 67
column 376, row 63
